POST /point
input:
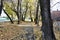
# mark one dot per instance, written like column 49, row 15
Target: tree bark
column 47, row 24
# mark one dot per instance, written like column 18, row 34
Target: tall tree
column 47, row 24
column 26, row 10
column 18, row 15
column 1, row 6
column 31, row 14
column 36, row 18
column 20, row 11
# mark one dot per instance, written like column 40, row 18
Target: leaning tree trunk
column 8, row 16
column 1, row 6
column 47, row 25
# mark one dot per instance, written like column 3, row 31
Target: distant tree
column 31, row 7
column 26, row 10
column 31, row 13
column 37, row 18
column 47, row 24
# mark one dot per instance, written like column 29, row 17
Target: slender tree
column 20, row 11
column 1, row 6
column 31, row 14
column 37, row 9
column 47, row 24
column 8, row 16
column 26, row 10
column 18, row 15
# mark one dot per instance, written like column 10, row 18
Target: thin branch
column 55, row 4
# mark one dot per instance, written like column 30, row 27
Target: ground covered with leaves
column 15, row 31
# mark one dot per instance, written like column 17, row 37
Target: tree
column 31, row 8
column 19, row 14
column 1, row 6
column 9, row 10
column 31, row 14
column 36, row 18
column 47, row 24
column 8, row 16
column 26, row 9
column 20, row 11
column 16, row 8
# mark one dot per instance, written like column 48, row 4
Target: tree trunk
column 31, row 16
column 22, row 18
column 18, row 15
column 1, row 6
column 8, row 16
column 47, row 25
column 26, row 10
column 36, row 19
column 20, row 11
